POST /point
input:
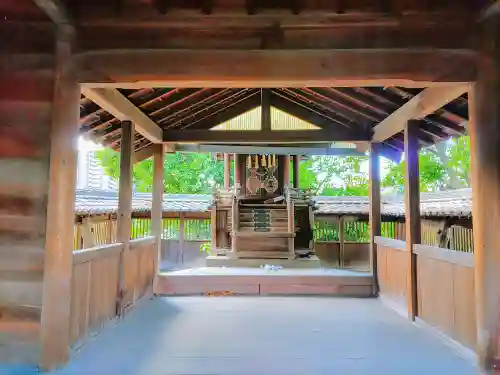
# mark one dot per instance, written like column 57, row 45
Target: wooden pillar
column 181, row 236
column 237, row 170
column 296, row 171
column 286, row 170
column 412, row 211
column 375, row 216
column 157, row 206
column 484, row 131
column 125, row 209
column 265, row 101
column 341, row 242
column 227, row 172
column 58, row 264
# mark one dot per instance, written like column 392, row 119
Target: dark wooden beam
column 303, row 113
column 251, row 6
column 56, row 11
column 309, row 149
column 207, row 6
column 263, row 136
column 209, row 68
column 421, row 105
column 265, row 104
column 227, row 113
column 161, row 6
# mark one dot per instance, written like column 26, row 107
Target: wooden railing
column 445, row 286
column 95, row 285
column 94, row 288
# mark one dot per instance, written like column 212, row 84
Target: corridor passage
column 265, row 335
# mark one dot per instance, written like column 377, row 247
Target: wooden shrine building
column 147, row 77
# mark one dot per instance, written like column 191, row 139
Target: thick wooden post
column 157, row 206
column 125, row 209
column 375, row 216
column 296, row 171
column 58, row 265
column 237, row 170
column 227, row 172
column 412, row 211
column 286, row 170
column 181, row 236
column 341, row 242
column 484, row 131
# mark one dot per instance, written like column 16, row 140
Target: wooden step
column 262, row 234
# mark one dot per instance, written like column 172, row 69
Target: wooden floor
column 258, row 281
column 266, row 335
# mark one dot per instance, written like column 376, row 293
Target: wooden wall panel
column 392, row 268
column 446, row 292
column 24, row 170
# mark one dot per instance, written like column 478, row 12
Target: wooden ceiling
column 334, row 109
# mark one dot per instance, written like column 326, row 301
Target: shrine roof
column 456, row 203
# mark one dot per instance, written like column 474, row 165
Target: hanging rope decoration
column 261, row 174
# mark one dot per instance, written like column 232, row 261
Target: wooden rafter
column 56, row 11
column 119, row 106
column 423, row 104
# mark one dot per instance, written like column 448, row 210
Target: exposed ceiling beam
column 420, row 106
column 114, row 102
column 227, row 113
column 277, row 150
column 490, row 11
column 263, row 136
column 302, row 113
column 139, row 68
column 146, row 152
column 56, row 11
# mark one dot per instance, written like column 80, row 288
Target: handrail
column 96, row 252
column 391, row 242
column 451, row 256
column 139, row 242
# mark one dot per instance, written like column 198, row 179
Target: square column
column 484, row 131
column 157, row 206
column 375, row 216
column 412, row 211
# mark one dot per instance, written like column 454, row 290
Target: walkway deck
column 265, row 335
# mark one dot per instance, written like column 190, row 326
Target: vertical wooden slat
column 125, row 207
column 157, row 208
column 375, row 215
column 412, row 211
column 56, row 296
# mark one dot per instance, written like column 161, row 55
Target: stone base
column 225, row 261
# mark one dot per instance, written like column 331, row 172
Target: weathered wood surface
column 375, row 208
column 94, row 289
column 139, row 271
column 157, row 205
column 392, row 267
column 412, row 210
column 446, row 298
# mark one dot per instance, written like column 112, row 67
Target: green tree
column 445, row 165
column 187, row 173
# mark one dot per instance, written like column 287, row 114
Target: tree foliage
column 442, row 166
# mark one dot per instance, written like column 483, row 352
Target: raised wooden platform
column 257, row 281
column 225, row 261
